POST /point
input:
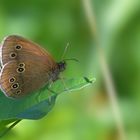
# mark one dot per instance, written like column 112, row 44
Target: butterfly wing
column 26, row 66
column 18, row 48
column 16, row 82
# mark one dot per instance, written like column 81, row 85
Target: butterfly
column 26, row 67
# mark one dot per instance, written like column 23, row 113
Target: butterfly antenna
column 64, row 53
column 73, row 59
column 65, row 50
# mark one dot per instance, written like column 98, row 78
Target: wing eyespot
column 13, row 55
column 18, row 92
column 12, row 80
column 15, row 86
column 21, row 65
column 18, row 47
column 20, row 69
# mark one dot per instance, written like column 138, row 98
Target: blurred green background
column 87, row 114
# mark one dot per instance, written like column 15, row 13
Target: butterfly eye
column 20, row 70
column 18, row 47
column 12, row 80
column 13, row 55
column 21, row 65
column 15, row 86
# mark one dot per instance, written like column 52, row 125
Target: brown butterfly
column 26, row 67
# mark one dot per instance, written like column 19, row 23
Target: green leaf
column 3, row 129
column 38, row 104
column 3, row 123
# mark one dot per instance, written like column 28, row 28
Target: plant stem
column 9, row 128
column 112, row 94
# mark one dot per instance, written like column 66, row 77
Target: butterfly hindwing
column 21, row 78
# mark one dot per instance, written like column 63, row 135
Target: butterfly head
column 61, row 66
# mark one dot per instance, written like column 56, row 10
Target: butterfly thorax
column 60, row 67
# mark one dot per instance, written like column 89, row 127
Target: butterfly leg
column 51, row 91
column 64, row 83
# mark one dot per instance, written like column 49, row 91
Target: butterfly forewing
column 17, row 48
